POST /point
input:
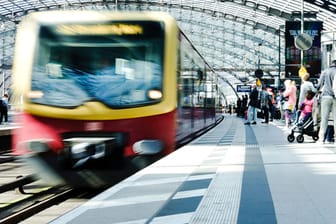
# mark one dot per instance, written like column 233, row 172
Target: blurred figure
column 290, row 95
column 252, row 106
column 328, row 100
column 239, row 107
column 271, row 103
column 265, row 106
column 4, row 108
column 279, row 102
column 306, row 108
column 329, row 136
column 244, row 105
column 317, row 111
column 306, row 85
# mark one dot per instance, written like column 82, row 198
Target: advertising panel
column 311, row 57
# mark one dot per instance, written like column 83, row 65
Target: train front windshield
column 118, row 64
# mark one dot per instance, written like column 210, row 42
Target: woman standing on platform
column 289, row 105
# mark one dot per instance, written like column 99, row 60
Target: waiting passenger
column 306, row 85
column 265, row 99
column 328, row 100
column 4, row 108
column 252, row 106
column 290, row 95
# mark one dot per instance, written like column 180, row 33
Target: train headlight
column 154, row 94
column 36, row 145
column 148, row 147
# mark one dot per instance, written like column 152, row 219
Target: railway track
column 23, row 196
column 23, row 206
column 6, row 156
column 32, row 204
column 26, row 199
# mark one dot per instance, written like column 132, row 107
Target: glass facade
column 227, row 33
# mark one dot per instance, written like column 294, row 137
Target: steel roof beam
column 220, row 41
column 328, row 5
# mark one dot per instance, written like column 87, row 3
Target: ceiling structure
column 235, row 36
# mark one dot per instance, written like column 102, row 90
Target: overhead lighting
column 306, row 14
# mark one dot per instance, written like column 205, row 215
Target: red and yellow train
column 107, row 93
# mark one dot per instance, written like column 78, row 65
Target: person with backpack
column 4, row 108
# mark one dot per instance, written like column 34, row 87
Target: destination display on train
column 100, row 29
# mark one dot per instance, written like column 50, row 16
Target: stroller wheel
column 290, row 138
column 299, row 138
column 315, row 138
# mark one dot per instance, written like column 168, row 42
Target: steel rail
column 38, row 206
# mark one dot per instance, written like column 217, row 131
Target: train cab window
column 108, row 64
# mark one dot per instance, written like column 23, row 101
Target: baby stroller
column 307, row 124
column 307, row 128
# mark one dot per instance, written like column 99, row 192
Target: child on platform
column 306, row 108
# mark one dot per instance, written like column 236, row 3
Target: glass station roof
column 234, row 36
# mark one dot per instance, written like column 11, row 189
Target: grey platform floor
column 233, row 174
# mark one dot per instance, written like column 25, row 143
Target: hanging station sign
column 303, row 41
column 244, row 88
column 309, row 42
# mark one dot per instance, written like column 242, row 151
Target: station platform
column 234, row 173
column 6, row 129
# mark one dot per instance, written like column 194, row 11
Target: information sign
column 244, row 88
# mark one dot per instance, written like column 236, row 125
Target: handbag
column 288, row 106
